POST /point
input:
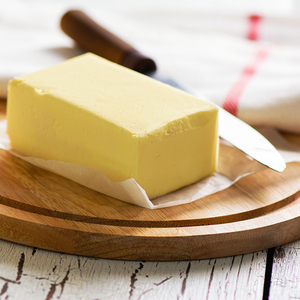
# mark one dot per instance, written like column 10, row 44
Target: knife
column 96, row 39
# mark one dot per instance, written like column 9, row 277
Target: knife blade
column 96, row 39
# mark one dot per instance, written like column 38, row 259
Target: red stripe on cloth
column 253, row 32
column 232, row 100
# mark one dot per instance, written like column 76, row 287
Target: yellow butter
column 95, row 113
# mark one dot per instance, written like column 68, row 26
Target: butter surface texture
column 95, row 113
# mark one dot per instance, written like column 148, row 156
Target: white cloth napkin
column 248, row 64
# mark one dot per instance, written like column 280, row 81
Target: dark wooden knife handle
column 94, row 38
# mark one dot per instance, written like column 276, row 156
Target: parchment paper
column 233, row 165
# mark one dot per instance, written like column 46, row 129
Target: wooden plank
column 30, row 273
column 285, row 280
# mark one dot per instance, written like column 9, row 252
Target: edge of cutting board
column 44, row 210
column 155, row 243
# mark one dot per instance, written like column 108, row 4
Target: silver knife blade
column 241, row 135
column 94, row 38
column 250, row 141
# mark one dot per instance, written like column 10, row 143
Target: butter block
column 95, row 113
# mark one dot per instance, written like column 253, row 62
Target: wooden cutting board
column 44, row 210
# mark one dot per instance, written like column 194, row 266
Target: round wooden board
column 42, row 209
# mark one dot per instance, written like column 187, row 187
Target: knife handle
column 94, row 38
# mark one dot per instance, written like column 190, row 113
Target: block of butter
column 95, row 113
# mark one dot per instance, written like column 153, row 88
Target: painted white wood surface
column 28, row 273
column 285, row 280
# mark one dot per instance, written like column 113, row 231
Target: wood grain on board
column 42, row 209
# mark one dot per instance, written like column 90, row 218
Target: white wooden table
column 30, row 273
